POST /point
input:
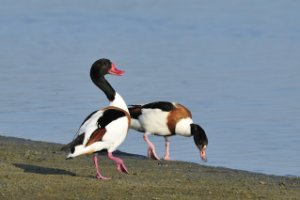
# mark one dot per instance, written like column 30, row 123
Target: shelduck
column 105, row 128
column 166, row 119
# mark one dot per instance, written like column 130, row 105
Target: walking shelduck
column 166, row 119
column 105, row 128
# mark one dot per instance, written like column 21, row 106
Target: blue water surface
column 235, row 64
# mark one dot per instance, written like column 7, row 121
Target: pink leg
column 119, row 163
column 167, row 149
column 99, row 175
column 151, row 148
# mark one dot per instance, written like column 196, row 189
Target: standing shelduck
column 105, row 128
column 166, row 119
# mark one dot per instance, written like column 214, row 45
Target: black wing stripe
column 109, row 116
column 162, row 105
column 77, row 141
column 135, row 111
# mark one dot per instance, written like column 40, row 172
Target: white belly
column 155, row 121
column 136, row 125
column 116, row 133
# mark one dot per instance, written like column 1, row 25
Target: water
column 235, row 64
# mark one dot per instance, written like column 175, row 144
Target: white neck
column 119, row 102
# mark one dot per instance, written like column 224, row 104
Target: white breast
column 183, row 127
column 119, row 102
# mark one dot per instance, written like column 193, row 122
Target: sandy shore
column 38, row 170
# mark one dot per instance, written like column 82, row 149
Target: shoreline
column 138, row 156
column 34, row 170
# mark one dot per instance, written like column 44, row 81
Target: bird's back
column 160, row 118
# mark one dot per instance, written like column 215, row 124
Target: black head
column 98, row 70
column 102, row 67
column 200, row 139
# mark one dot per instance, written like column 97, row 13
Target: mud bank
column 38, row 170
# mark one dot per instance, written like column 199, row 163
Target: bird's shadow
column 43, row 170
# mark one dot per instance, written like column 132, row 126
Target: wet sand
column 39, row 170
